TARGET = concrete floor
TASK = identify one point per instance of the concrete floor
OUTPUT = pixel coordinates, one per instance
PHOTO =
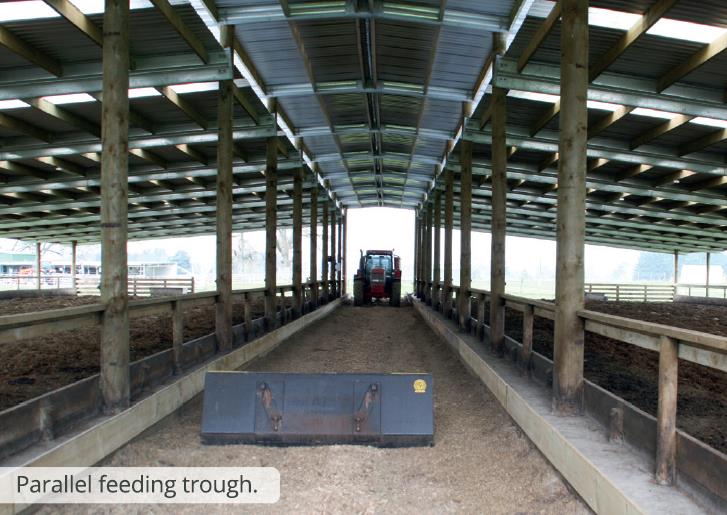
(481, 462)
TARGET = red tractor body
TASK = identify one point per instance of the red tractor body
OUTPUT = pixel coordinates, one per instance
(378, 277)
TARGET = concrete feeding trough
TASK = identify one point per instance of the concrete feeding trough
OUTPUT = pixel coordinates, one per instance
(387, 410)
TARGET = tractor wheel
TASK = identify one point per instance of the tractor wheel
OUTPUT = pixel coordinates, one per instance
(395, 299)
(358, 296)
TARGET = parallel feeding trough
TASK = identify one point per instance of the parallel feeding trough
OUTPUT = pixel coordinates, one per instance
(387, 410)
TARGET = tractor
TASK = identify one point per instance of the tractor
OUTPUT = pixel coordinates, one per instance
(378, 277)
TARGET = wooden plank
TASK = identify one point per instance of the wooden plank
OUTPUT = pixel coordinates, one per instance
(666, 415)
(540, 35)
(699, 339)
(82, 22)
(271, 191)
(28, 52)
(698, 59)
(176, 21)
(114, 373)
(224, 184)
(650, 17)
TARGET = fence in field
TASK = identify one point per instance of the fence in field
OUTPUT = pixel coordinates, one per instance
(89, 285)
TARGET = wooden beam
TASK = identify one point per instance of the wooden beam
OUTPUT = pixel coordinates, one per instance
(569, 295)
(23, 170)
(135, 119)
(332, 289)
(324, 249)
(148, 156)
(82, 22)
(659, 130)
(176, 21)
(697, 59)
(540, 35)
(701, 143)
(114, 375)
(465, 224)
(498, 222)
(223, 304)
(62, 164)
(298, 243)
(271, 190)
(313, 275)
(436, 266)
(28, 52)
(428, 221)
(545, 118)
(183, 105)
(608, 120)
(245, 104)
(18, 125)
(637, 30)
(64, 115)
(192, 153)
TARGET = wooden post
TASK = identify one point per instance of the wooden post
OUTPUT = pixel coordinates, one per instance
(223, 305)
(298, 243)
(527, 348)
(177, 335)
(448, 224)
(345, 250)
(38, 264)
(247, 315)
(417, 253)
(706, 283)
(339, 268)
(437, 286)
(465, 227)
(324, 250)
(499, 215)
(481, 300)
(666, 413)
(332, 279)
(571, 220)
(423, 254)
(74, 259)
(314, 245)
(114, 374)
(283, 308)
(676, 268)
(271, 220)
(428, 255)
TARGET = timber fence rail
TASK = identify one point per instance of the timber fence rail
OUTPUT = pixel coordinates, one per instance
(633, 292)
(58, 411)
(671, 343)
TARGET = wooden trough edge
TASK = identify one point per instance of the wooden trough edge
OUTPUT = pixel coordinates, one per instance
(600, 484)
(110, 433)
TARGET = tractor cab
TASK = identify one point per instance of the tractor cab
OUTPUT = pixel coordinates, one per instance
(378, 277)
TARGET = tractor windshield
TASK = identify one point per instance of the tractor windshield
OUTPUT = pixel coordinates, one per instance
(379, 261)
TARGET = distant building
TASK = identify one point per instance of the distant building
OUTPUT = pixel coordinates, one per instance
(15, 263)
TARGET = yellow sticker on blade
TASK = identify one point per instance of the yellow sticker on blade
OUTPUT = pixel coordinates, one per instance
(420, 386)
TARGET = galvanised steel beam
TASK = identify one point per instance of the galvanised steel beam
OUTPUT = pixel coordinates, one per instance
(547, 142)
(137, 199)
(160, 139)
(602, 148)
(92, 180)
(615, 89)
(619, 207)
(344, 10)
(382, 88)
(150, 71)
(549, 175)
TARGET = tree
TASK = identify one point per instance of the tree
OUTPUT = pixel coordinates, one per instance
(182, 259)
